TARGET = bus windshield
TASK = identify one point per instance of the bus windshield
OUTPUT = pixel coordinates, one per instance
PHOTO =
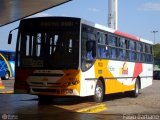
(55, 48)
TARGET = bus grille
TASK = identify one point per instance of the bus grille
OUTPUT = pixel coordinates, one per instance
(53, 91)
(45, 84)
(46, 90)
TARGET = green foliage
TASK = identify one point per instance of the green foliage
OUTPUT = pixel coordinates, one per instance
(156, 50)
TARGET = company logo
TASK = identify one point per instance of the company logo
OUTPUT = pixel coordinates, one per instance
(111, 68)
(124, 69)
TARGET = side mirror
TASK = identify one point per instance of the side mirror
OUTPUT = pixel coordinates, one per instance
(10, 38)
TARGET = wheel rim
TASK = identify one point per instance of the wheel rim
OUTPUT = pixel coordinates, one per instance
(137, 89)
(99, 92)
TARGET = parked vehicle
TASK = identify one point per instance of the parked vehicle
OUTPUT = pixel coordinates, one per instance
(156, 75)
(7, 64)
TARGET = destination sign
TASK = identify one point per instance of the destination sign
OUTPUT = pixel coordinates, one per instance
(57, 24)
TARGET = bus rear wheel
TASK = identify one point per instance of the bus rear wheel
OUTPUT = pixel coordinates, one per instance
(136, 90)
(99, 92)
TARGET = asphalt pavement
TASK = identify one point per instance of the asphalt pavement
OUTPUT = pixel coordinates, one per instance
(118, 106)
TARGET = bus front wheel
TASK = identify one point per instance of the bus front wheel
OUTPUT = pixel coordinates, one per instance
(45, 99)
(99, 92)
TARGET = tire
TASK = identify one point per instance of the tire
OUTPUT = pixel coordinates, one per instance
(44, 99)
(6, 77)
(136, 90)
(99, 92)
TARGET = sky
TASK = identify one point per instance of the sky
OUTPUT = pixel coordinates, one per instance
(136, 17)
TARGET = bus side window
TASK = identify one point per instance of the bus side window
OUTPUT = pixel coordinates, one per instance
(112, 53)
(122, 54)
(112, 42)
(91, 49)
(102, 51)
(122, 48)
(102, 45)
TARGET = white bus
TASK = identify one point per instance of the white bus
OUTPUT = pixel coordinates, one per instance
(65, 56)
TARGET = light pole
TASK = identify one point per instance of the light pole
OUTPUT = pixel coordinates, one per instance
(113, 14)
(154, 32)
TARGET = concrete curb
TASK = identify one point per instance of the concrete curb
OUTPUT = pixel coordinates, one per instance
(7, 92)
(93, 109)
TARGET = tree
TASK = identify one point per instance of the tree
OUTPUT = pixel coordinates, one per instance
(156, 51)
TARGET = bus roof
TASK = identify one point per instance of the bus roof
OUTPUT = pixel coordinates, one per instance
(117, 32)
(98, 26)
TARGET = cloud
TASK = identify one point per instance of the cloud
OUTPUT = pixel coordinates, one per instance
(150, 6)
(40, 15)
(94, 9)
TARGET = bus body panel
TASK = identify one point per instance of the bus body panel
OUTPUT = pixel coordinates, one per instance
(147, 75)
(122, 81)
(118, 76)
(52, 82)
(88, 82)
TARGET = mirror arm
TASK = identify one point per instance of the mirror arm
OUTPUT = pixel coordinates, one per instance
(10, 35)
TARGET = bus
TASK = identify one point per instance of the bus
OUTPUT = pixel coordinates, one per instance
(7, 64)
(67, 56)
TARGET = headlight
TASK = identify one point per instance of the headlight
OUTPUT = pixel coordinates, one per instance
(74, 82)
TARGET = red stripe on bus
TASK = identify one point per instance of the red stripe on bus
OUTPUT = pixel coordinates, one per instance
(127, 35)
(137, 70)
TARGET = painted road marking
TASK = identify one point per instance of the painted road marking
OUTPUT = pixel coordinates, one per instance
(7, 92)
(93, 109)
(84, 107)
